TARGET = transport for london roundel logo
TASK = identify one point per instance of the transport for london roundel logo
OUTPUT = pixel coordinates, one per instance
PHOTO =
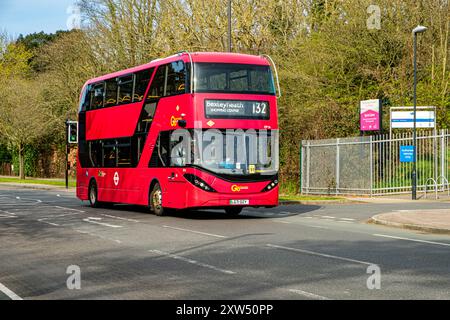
(116, 178)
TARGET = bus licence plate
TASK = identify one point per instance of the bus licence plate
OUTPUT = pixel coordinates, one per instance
(239, 202)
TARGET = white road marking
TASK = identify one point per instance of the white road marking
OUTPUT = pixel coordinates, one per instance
(97, 235)
(96, 221)
(57, 216)
(7, 212)
(409, 239)
(319, 227)
(7, 216)
(119, 218)
(329, 217)
(50, 223)
(308, 294)
(347, 219)
(345, 222)
(66, 208)
(320, 254)
(37, 200)
(194, 231)
(286, 222)
(9, 293)
(191, 261)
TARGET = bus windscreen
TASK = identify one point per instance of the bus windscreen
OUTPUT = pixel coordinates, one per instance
(233, 78)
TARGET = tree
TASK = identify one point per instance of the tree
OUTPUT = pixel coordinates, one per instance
(22, 120)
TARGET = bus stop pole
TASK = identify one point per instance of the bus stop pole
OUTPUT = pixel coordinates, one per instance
(67, 155)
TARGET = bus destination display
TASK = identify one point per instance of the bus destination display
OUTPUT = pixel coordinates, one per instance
(237, 109)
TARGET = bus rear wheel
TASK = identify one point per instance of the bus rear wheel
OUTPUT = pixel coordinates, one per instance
(233, 211)
(155, 201)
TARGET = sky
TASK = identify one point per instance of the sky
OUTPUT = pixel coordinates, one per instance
(29, 16)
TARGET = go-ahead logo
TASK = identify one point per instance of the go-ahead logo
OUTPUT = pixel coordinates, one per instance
(236, 188)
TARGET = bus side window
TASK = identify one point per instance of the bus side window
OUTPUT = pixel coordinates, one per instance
(157, 87)
(176, 78)
(85, 99)
(142, 80)
(97, 96)
(95, 154)
(124, 153)
(110, 154)
(126, 88)
(111, 93)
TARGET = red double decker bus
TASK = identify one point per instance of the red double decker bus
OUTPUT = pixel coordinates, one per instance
(194, 130)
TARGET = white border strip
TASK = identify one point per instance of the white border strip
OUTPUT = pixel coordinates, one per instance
(308, 294)
(9, 293)
(191, 261)
(197, 232)
(320, 254)
(415, 240)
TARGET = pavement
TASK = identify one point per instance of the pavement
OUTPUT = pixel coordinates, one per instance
(433, 221)
(289, 252)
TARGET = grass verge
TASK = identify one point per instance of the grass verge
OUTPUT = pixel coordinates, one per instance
(300, 197)
(52, 182)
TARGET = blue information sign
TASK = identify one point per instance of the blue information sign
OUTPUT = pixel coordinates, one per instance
(406, 153)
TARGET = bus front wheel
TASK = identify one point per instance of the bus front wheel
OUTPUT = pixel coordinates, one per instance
(93, 200)
(155, 200)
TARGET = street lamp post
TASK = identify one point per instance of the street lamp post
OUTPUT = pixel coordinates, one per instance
(229, 25)
(416, 30)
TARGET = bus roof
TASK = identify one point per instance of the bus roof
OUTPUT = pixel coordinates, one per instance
(218, 57)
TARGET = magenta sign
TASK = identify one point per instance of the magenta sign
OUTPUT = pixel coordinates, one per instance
(369, 115)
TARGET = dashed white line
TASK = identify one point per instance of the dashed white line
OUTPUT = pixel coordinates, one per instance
(37, 200)
(191, 261)
(319, 254)
(329, 217)
(50, 223)
(308, 294)
(409, 239)
(194, 231)
(347, 219)
(119, 218)
(9, 293)
(97, 236)
(66, 208)
(319, 227)
(285, 222)
(96, 221)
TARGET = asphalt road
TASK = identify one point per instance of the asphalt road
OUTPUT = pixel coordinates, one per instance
(289, 252)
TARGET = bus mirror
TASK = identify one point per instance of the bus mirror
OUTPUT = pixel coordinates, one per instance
(182, 123)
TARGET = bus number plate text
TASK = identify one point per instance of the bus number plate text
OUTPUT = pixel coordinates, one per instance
(239, 202)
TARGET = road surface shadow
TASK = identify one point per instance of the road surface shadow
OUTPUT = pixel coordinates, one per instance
(219, 214)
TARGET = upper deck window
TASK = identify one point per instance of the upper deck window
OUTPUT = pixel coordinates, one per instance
(233, 78)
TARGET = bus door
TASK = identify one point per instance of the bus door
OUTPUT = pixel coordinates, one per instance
(179, 158)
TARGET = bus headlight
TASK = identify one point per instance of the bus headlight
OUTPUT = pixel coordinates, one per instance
(199, 183)
(272, 184)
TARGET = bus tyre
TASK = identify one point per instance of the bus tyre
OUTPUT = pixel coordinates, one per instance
(156, 200)
(93, 200)
(233, 211)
